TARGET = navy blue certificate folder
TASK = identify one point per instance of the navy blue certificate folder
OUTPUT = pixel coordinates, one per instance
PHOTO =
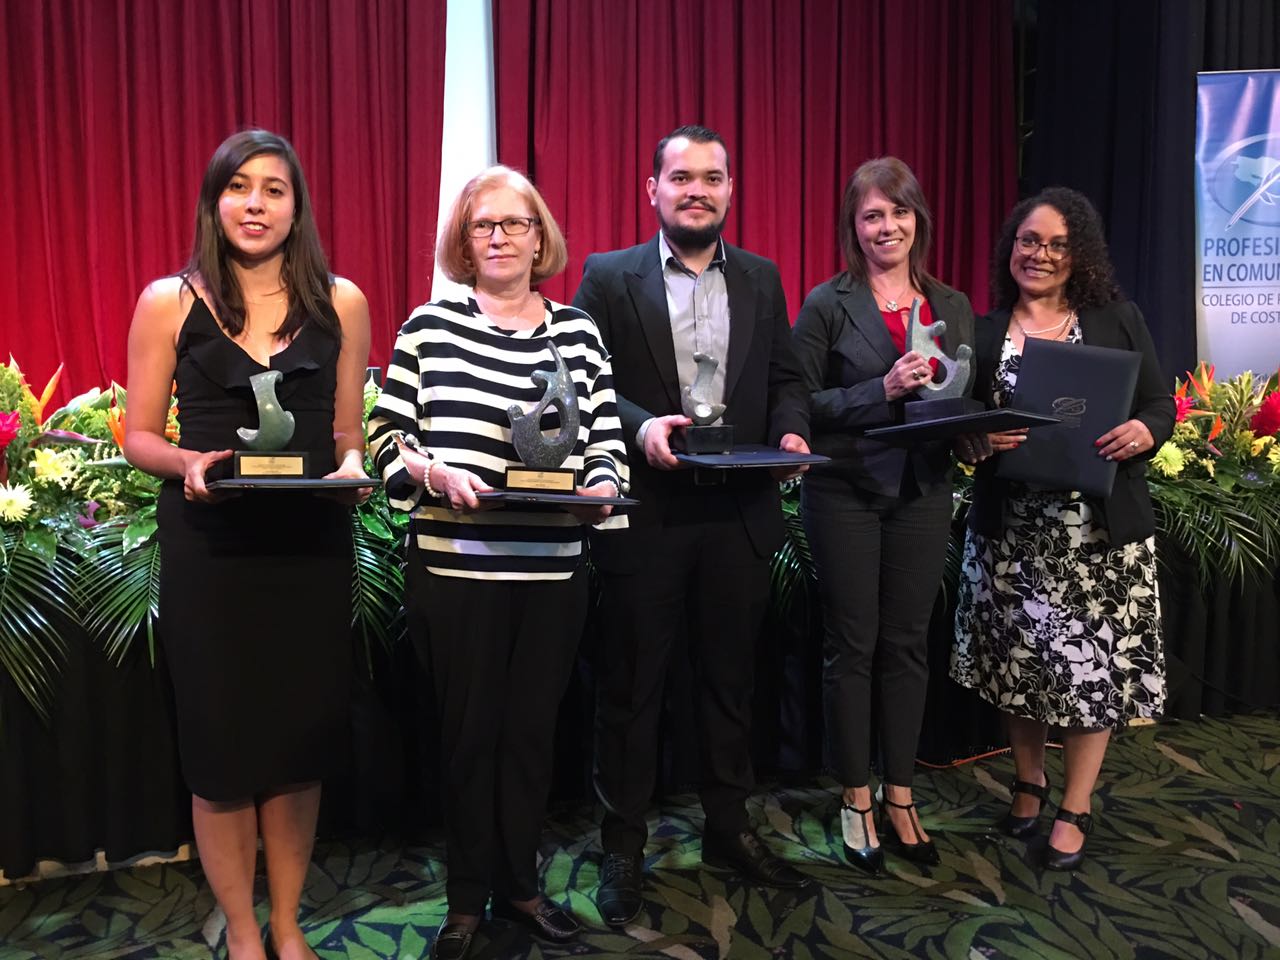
(1091, 389)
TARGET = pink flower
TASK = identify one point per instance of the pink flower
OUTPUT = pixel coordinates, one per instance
(9, 424)
(1183, 405)
(85, 519)
(1267, 420)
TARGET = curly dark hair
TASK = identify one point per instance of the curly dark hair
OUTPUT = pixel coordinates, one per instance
(1092, 282)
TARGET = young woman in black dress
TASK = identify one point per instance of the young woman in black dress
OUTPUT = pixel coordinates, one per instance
(255, 589)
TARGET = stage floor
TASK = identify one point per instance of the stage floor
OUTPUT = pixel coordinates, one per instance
(1184, 861)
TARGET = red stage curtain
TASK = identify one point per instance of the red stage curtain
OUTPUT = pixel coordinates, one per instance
(802, 90)
(113, 108)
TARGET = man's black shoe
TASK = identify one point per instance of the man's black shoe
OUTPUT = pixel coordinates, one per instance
(548, 919)
(618, 899)
(750, 857)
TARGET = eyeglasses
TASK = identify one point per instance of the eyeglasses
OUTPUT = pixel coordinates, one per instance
(1029, 243)
(511, 226)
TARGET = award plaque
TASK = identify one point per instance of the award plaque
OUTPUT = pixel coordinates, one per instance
(696, 404)
(541, 476)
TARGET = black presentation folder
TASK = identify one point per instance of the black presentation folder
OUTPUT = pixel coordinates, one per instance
(1091, 389)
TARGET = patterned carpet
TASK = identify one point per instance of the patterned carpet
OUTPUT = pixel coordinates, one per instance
(1184, 861)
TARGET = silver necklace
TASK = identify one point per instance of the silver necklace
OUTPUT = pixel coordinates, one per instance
(892, 304)
(1057, 326)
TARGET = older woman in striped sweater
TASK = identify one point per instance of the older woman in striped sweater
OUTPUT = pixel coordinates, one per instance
(496, 599)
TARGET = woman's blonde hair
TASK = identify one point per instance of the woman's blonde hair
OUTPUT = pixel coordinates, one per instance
(453, 246)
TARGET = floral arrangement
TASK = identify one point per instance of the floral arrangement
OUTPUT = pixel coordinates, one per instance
(64, 471)
(1216, 481)
(77, 536)
(1224, 432)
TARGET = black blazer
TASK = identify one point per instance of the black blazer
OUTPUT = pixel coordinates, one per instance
(625, 294)
(844, 349)
(1127, 513)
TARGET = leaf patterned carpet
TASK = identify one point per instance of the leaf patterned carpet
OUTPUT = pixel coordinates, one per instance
(1184, 861)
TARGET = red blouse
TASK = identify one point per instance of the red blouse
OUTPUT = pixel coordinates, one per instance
(896, 321)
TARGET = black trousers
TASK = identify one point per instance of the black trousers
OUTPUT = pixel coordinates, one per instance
(707, 592)
(499, 653)
(879, 563)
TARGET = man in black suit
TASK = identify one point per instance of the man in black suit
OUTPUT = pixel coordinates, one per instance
(693, 566)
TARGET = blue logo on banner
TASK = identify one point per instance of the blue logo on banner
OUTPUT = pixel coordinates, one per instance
(1246, 183)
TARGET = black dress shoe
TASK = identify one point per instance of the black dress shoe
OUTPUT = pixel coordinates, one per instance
(547, 919)
(1025, 826)
(1054, 858)
(453, 941)
(751, 858)
(618, 899)
(860, 853)
(919, 851)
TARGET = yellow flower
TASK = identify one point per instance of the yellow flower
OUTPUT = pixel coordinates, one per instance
(1207, 463)
(15, 502)
(1262, 443)
(1169, 461)
(1273, 456)
(54, 466)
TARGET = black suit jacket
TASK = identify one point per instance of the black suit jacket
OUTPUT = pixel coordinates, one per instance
(625, 294)
(844, 349)
(1127, 513)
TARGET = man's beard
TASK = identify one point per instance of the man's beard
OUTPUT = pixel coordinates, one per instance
(691, 238)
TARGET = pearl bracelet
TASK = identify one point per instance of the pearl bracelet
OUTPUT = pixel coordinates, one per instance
(426, 480)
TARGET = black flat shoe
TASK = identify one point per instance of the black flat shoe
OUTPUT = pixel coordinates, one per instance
(618, 898)
(921, 851)
(1025, 826)
(549, 920)
(855, 827)
(453, 941)
(752, 859)
(1055, 859)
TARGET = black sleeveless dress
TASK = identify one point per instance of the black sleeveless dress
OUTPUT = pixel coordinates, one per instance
(255, 591)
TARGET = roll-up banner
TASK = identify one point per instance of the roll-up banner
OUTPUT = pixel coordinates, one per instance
(1238, 220)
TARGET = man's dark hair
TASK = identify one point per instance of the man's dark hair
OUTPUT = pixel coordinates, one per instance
(694, 132)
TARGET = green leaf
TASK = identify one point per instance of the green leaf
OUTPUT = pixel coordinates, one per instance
(374, 523)
(137, 533)
(43, 542)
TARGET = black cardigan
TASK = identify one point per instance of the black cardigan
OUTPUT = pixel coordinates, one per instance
(1127, 513)
(844, 350)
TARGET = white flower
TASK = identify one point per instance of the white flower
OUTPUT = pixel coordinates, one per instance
(15, 502)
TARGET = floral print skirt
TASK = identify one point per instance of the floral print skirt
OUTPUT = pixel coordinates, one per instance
(1054, 623)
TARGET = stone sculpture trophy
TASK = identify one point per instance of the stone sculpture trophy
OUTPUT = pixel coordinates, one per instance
(696, 404)
(541, 476)
(266, 463)
(541, 456)
(944, 409)
(708, 446)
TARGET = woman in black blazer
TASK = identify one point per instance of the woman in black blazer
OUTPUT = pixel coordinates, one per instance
(1058, 622)
(877, 516)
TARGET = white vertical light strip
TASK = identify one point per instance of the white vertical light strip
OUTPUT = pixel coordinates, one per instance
(469, 142)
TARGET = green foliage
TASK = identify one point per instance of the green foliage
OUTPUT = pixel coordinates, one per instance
(37, 589)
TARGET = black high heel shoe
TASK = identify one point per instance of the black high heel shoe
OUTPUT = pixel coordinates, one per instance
(922, 851)
(1054, 858)
(1025, 826)
(868, 858)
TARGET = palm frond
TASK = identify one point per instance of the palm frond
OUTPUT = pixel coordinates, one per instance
(793, 576)
(1234, 532)
(38, 598)
(377, 585)
(119, 573)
